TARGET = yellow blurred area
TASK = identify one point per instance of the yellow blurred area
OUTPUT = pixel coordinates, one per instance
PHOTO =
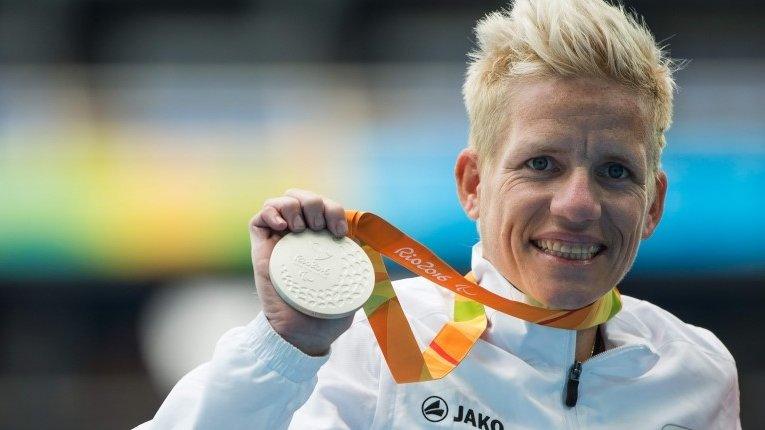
(137, 199)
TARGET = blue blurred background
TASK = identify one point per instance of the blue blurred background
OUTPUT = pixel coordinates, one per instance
(138, 138)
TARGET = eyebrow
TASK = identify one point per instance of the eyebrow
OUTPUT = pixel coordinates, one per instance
(548, 149)
(622, 159)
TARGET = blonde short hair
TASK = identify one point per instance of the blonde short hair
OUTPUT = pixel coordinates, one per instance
(546, 38)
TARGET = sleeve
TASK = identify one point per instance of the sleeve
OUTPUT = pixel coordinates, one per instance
(256, 379)
(348, 387)
(729, 417)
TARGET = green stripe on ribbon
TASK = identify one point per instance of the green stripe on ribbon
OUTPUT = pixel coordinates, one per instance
(466, 310)
(383, 291)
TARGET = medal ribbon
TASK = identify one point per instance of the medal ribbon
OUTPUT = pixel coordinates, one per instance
(452, 344)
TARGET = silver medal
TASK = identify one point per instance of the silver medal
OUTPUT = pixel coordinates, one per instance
(321, 275)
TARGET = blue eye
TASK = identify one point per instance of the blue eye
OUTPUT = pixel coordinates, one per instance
(539, 163)
(616, 171)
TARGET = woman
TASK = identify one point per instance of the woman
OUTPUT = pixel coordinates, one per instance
(568, 104)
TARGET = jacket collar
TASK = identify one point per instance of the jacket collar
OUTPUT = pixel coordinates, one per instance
(548, 346)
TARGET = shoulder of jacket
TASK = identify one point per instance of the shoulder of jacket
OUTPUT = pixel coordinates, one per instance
(660, 327)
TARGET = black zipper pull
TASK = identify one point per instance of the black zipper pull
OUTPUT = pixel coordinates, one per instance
(572, 385)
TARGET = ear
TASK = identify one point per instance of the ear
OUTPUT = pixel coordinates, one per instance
(657, 205)
(468, 177)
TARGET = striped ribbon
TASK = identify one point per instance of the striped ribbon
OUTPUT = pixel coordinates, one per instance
(452, 344)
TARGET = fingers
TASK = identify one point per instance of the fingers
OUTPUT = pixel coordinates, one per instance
(312, 206)
(320, 212)
(272, 219)
(335, 216)
(288, 208)
(294, 211)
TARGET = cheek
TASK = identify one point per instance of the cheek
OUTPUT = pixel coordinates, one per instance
(529, 206)
(510, 210)
(627, 218)
(523, 213)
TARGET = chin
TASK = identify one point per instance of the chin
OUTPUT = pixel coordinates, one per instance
(566, 298)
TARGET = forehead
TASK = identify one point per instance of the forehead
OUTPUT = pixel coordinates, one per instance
(593, 112)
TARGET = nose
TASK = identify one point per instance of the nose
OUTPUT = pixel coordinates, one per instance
(576, 200)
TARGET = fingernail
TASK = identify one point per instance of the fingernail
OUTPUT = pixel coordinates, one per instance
(341, 228)
(319, 221)
(298, 222)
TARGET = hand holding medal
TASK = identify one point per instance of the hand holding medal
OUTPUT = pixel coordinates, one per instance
(305, 214)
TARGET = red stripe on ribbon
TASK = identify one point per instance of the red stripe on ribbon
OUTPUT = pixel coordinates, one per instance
(434, 346)
(552, 320)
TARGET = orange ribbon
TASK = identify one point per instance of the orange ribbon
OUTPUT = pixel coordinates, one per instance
(452, 344)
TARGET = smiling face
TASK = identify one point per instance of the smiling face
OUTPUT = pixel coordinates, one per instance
(563, 204)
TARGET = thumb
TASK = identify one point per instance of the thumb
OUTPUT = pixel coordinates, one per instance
(262, 243)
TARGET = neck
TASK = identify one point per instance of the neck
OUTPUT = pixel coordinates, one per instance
(585, 339)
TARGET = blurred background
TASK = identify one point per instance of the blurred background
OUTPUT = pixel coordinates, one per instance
(138, 138)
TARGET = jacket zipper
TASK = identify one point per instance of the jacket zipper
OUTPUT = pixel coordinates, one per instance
(575, 373)
(572, 384)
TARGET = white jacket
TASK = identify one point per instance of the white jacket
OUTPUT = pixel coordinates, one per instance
(657, 373)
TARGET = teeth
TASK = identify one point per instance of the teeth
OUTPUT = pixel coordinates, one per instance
(569, 251)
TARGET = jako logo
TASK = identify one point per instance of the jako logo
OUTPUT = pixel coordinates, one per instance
(480, 421)
(434, 409)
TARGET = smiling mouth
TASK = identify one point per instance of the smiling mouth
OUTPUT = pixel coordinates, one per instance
(569, 251)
